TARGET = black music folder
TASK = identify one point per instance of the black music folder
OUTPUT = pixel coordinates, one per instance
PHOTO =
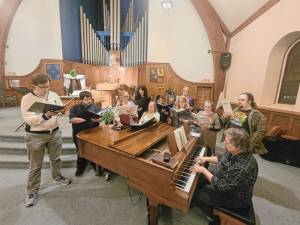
(139, 126)
(39, 107)
(88, 115)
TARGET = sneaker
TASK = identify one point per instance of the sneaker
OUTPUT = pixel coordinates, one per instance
(107, 176)
(31, 200)
(63, 181)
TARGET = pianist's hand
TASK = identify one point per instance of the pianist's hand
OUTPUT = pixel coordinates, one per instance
(201, 160)
(198, 169)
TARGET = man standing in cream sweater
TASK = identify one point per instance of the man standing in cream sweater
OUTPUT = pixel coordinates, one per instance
(42, 132)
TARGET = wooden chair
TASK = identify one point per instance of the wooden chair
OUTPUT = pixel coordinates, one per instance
(242, 217)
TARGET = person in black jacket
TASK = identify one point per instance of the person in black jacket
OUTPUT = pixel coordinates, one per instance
(80, 124)
(142, 100)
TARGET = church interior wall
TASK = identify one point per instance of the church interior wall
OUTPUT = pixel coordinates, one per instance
(251, 49)
(34, 34)
(178, 36)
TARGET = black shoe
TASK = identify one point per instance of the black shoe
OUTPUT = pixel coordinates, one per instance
(79, 172)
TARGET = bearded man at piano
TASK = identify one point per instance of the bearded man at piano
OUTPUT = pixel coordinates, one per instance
(230, 184)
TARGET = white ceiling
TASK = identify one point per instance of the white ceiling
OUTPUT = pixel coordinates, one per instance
(235, 12)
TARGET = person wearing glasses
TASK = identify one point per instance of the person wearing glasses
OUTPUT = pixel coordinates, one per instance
(230, 184)
(42, 132)
(124, 100)
(247, 116)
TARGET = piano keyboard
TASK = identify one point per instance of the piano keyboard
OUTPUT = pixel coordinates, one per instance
(186, 177)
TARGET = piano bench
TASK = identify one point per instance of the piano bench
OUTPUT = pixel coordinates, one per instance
(230, 217)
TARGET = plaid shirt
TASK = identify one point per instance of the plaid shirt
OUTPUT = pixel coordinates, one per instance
(235, 176)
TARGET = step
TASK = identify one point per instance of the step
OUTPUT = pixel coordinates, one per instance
(20, 138)
(10, 148)
(21, 161)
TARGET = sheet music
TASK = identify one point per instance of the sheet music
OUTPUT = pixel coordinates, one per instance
(227, 107)
(180, 137)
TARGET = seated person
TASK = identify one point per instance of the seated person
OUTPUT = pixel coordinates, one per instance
(152, 112)
(230, 184)
(123, 101)
(164, 112)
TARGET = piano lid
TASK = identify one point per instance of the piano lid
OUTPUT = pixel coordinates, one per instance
(133, 143)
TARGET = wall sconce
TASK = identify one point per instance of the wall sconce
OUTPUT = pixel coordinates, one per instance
(167, 4)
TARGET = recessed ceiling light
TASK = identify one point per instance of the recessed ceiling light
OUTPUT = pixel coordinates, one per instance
(167, 4)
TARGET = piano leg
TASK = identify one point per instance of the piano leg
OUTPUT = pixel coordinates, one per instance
(153, 210)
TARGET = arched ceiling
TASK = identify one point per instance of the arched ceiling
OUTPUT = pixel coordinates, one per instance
(235, 12)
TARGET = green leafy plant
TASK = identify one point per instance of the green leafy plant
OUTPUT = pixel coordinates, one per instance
(108, 117)
(73, 73)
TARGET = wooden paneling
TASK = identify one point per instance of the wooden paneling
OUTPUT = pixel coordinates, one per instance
(288, 121)
(93, 74)
(199, 91)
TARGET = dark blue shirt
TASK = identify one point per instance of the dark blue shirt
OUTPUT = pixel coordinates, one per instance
(76, 111)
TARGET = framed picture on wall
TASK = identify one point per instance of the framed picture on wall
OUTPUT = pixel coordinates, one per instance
(157, 75)
(54, 71)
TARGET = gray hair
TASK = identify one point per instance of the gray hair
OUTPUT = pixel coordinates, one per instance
(239, 138)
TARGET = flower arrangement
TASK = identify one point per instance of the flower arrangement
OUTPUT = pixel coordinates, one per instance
(73, 73)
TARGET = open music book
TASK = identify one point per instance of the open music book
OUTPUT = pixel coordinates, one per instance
(39, 107)
(201, 118)
(180, 137)
(87, 115)
(139, 126)
(126, 109)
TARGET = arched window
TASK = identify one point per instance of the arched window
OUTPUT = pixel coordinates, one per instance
(291, 76)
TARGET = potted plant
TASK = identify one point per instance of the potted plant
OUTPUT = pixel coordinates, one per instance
(108, 117)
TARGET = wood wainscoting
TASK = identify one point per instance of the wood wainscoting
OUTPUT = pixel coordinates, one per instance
(93, 75)
(158, 77)
(288, 121)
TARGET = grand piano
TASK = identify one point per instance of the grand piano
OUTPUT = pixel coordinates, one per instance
(130, 154)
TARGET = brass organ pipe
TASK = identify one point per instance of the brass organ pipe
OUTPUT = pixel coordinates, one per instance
(118, 23)
(88, 41)
(139, 43)
(91, 44)
(81, 34)
(104, 15)
(115, 24)
(142, 40)
(146, 37)
(111, 24)
(85, 38)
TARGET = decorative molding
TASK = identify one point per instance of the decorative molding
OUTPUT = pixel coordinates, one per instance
(7, 13)
(215, 35)
(254, 16)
